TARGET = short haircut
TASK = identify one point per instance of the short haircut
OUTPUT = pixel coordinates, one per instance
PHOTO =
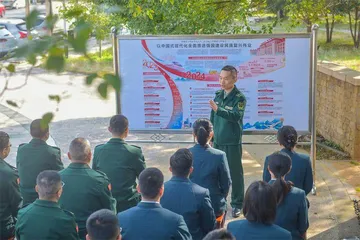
(219, 234)
(103, 225)
(48, 182)
(181, 162)
(79, 149)
(232, 69)
(260, 203)
(119, 124)
(4, 140)
(150, 182)
(38, 129)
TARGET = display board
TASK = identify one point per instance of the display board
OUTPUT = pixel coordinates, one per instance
(167, 81)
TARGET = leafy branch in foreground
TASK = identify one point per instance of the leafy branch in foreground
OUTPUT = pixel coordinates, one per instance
(49, 52)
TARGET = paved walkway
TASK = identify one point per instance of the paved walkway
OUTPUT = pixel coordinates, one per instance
(331, 212)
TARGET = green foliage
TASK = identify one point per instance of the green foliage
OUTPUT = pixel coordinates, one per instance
(306, 11)
(86, 12)
(275, 6)
(10, 68)
(180, 17)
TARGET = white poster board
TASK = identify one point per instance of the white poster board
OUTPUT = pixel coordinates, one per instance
(167, 81)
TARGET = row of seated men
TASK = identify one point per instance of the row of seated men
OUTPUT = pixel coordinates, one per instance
(189, 206)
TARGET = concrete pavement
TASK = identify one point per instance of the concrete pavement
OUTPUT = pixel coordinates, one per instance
(83, 114)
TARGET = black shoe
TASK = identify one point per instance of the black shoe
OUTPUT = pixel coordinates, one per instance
(236, 212)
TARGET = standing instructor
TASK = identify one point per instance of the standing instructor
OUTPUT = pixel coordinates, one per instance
(227, 117)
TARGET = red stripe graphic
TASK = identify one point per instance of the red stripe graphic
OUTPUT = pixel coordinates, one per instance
(177, 72)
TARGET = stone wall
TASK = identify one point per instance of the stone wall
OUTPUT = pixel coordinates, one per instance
(338, 106)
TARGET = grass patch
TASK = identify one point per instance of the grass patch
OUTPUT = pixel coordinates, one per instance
(355, 163)
(341, 50)
(325, 154)
(92, 64)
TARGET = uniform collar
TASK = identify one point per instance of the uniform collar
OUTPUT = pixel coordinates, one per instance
(149, 205)
(116, 140)
(46, 203)
(203, 147)
(179, 179)
(233, 92)
(287, 151)
(272, 181)
(3, 162)
(78, 165)
(38, 141)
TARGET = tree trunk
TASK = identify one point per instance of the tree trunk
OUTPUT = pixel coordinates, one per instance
(100, 49)
(280, 14)
(332, 26)
(308, 28)
(327, 27)
(351, 28)
(357, 16)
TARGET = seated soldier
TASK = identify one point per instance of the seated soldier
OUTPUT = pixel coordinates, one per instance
(188, 199)
(90, 188)
(103, 225)
(10, 198)
(44, 218)
(35, 157)
(121, 162)
(148, 220)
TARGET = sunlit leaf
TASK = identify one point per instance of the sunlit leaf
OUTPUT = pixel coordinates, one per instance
(12, 103)
(11, 68)
(31, 59)
(113, 80)
(55, 98)
(46, 119)
(32, 18)
(103, 89)
(90, 78)
(50, 21)
(55, 60)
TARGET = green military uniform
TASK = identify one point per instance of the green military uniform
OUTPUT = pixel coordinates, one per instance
(10, 199)
(85, 191)
(228, 126)
(33, 158)
(122, 163)
(45, 220)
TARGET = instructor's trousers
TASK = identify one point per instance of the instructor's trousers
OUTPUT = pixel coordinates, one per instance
(233, 155)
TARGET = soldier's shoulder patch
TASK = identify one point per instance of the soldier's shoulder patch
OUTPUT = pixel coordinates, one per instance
(218, 92)
(22, 144)
(100, 145)
(25, 205)
(137, 147)
(241, 105)
(102, 173)
(67, 212)
(56, 148)
(102, 176)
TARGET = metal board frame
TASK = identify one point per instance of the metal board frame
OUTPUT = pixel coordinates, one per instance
(312, 83)
(116, 54)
